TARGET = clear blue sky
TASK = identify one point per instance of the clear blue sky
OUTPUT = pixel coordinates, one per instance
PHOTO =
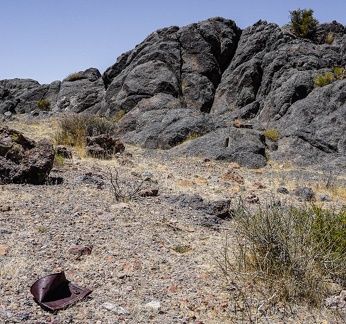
(46, 40)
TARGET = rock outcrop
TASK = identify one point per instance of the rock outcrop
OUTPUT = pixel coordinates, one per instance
(22, 160)
(183, 88)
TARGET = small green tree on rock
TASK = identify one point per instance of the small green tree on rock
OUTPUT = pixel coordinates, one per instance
(303, 23)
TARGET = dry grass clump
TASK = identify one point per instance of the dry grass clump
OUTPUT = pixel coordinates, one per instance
(330, 38)
(339, 72)
(74, 76)
(73, 128)
(296, 253)
(272, 134)
(326, 78)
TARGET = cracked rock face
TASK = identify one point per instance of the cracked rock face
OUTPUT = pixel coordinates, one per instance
(186, 88)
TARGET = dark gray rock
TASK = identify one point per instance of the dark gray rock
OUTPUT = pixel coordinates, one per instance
(103, 146)
(164, 128)
(12, 91)
(241, 145)
(185, 63)
(82, 93)
(312, 130)
(220, 209)
(324, 197)
(22, 160)
(63, 151)
(282, 190)
(305, 194)
(334, 29)
(90, 178)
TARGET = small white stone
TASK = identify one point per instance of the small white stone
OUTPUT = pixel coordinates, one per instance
(121, 311)
(114, 308)
(109, 306)
(154, 305)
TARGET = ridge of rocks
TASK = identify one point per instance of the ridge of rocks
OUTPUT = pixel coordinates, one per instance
(212, 89)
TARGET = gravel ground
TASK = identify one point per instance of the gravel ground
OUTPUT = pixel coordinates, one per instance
(152, 261)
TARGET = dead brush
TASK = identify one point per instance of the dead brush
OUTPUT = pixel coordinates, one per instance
(295, 254)
(123, 191)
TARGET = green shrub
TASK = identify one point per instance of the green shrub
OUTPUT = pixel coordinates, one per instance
(295, 252)
(323, 79)
(73, 128)
(43, 104)
(272, 134)
(303, 23)
(74, 76)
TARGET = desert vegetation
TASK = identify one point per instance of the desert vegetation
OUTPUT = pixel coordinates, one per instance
(303, 23)
(272, 134)
(323, 79)
(74, 76)
(73, 128)
(297, 252)
(43, 104)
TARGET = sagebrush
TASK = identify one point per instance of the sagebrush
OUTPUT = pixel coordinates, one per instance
(295, 252)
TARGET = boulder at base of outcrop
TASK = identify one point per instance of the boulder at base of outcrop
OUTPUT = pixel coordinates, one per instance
(22, 160)
(103, 146)
(241, 145)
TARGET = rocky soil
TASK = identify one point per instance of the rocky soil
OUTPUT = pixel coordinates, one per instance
(153, 259)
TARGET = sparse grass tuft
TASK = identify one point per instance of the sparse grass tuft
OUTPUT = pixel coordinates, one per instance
(330, 38)
(328, 77)
(74, 76)
(182, 248)
(120, 114)
(59, 160)
(42, 229)
(192, 136)
(324, 79)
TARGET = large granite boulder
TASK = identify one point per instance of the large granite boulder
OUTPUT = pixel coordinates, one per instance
(22, 160)
(270, 83)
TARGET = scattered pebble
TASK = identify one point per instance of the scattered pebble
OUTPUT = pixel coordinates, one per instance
(155, 305)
